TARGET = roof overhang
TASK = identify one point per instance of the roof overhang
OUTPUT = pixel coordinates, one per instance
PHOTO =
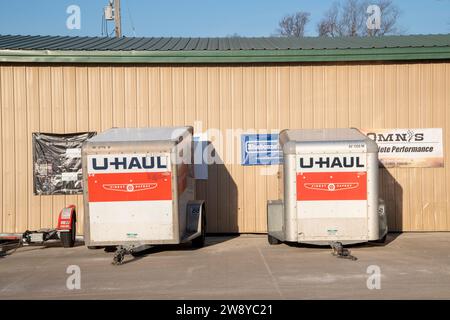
(229, 56)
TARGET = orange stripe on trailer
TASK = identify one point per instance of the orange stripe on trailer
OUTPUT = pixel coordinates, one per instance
(331, 186)
(142, 186)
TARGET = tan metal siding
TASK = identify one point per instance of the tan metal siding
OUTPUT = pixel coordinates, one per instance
(58, 98)
(32, 119)
(8, 150)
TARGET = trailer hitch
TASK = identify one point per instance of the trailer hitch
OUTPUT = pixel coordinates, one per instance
(122, 251)
(341, 252)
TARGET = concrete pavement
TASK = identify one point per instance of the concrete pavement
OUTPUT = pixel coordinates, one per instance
(412, 266)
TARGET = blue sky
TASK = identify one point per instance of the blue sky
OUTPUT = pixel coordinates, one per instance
(197, 17)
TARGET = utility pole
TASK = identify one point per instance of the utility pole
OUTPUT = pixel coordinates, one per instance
(117, 21)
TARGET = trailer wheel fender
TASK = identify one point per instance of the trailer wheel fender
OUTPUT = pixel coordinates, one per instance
(196, 221)
(66, 216)
(67, 226)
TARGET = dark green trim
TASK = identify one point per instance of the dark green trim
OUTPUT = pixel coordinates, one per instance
(241, 56)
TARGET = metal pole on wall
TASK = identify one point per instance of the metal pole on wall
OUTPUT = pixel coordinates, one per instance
(117, 21)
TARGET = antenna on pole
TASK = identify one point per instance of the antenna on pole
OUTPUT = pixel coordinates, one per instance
(112, 12)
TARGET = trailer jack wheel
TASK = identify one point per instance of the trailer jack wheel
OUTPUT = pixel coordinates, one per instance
(341, 252)
(119, 255)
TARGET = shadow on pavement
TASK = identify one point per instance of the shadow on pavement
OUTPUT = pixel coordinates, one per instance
(211, 240)
(390, 238)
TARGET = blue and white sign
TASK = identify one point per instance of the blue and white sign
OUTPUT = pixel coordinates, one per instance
(260, 149)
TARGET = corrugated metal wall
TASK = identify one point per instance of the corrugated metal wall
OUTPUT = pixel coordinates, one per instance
(79, 98)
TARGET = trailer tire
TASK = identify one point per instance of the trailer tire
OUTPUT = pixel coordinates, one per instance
(382, 240)
(199, 242)
(68, 238)
(272, 240)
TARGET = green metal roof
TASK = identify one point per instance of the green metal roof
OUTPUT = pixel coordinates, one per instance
(17, 48)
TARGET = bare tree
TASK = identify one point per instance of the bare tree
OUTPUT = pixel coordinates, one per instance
(353, 18)
(349, 19)
(293, 24)
(329, 25)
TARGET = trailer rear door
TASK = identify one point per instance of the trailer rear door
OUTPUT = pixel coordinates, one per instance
(130, 197)
(332, 196)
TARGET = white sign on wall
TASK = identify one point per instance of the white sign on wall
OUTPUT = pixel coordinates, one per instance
(200, 165)
(408, 147)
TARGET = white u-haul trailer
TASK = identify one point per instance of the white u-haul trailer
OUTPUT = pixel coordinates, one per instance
(139, 189)
(330, 187)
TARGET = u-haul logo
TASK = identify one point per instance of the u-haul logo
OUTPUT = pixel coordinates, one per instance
(331, 162)
(129, 187)
(128, 163)
(332, 187)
